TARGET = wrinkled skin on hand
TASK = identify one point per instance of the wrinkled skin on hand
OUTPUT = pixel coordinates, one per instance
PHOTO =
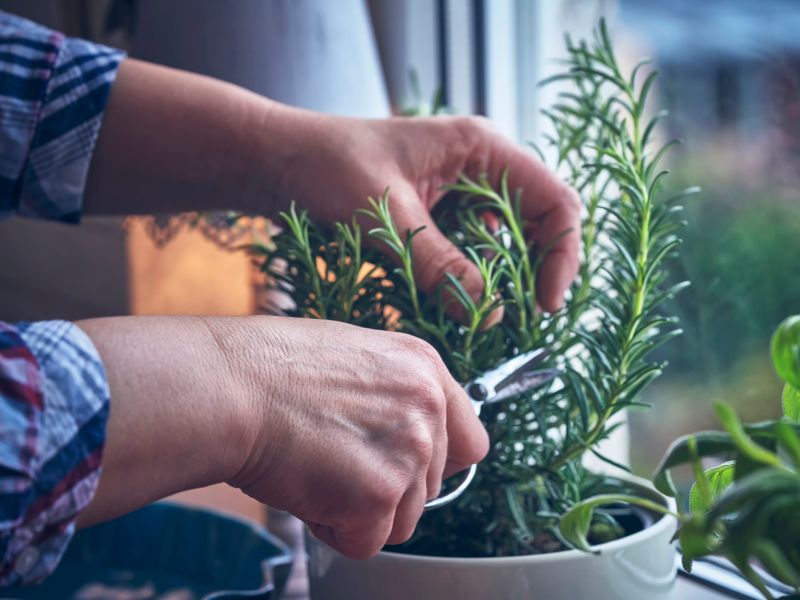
(338, 162)
(355, 429)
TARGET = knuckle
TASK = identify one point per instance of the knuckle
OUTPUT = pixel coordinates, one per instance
(473, 130)
(420, 349)
(454, 263)
(422, 374)
(420, 443)
(479, 124)
(413, 344)
(383, 499)
(428, 398)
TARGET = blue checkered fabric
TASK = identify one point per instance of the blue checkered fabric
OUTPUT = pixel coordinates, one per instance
(54, 397)
(53, 91)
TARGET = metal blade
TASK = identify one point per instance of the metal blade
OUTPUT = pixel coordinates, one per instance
(522, 383)
(507, 371)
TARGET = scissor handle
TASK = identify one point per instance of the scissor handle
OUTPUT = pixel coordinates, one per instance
(450, 496)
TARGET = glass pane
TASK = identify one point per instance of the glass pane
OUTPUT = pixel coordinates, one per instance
(730, 77)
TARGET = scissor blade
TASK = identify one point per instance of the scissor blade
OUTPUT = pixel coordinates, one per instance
(509, 370)
(522, 383)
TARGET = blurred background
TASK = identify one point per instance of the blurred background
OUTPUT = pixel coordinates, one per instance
(730, 77)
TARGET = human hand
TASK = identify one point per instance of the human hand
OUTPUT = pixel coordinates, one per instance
(352, 430)
(173, 141)
(349, 429)
(338, 162)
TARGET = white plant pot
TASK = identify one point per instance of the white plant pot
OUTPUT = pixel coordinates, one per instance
(637, 567)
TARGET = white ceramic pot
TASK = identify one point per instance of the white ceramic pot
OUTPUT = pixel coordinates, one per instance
(640, 566)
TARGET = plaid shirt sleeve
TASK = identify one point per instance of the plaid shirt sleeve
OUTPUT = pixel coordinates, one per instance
(53, 91)
(54, 403)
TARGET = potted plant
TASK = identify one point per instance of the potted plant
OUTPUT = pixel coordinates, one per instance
(746, 508)
(502, 538)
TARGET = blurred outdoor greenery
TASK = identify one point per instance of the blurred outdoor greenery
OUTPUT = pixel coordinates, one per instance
(730, 80)
(741, 252)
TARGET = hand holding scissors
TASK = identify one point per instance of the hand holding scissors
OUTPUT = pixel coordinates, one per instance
(508, 380)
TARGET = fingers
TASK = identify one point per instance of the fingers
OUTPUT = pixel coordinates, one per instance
(435, 474)
(435, 256)
(555, 206)
(466, 437)
(467, 440)
(459, 437)
(373, 527)
(411, 421)
(408, 513)
(449, 438)
(556, 274)
(361, 541)
(366, 542)
(545, 199)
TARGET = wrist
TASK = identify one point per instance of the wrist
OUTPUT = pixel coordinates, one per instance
(177, 417)
(287, 140)
(244, 346)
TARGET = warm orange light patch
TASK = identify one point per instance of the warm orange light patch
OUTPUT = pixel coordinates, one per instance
(189, 275)
(366, 268)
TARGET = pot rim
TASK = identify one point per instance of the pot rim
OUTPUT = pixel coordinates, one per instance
(653, 530)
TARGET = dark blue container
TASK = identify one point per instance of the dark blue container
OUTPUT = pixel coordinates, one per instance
(168, 550)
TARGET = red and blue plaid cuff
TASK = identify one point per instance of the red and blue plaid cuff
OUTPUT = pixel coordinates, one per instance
(54, 403)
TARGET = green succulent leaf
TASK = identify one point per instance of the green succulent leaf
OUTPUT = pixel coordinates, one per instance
(719, 479)
(789, 441)
(791, 402)
(776, 562)
(575, 523)
(708, 443)
(744, 509)
(785, 347)
(743, 441)
(756, 487)
(694, 540)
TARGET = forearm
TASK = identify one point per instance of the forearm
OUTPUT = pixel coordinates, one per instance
(174, 141)
(177, 411)
(301, 414)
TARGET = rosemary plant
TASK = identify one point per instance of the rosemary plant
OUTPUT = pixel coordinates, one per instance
(745, 508)
(601, 339)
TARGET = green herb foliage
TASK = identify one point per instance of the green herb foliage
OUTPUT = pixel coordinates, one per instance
(601, 339)
(746, 508)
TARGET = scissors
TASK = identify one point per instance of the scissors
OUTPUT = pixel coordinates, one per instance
(509, 379)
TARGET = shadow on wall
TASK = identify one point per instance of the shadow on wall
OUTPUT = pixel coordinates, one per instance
(56, 271)
(52, 270)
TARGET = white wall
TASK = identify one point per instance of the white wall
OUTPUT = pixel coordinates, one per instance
(317, 54)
